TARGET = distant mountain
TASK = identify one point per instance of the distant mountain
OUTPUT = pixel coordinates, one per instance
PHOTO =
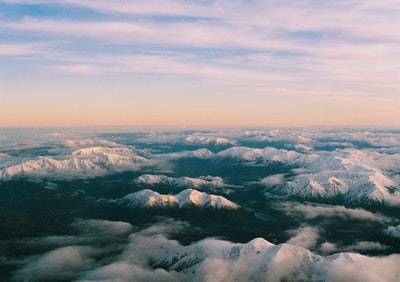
(88, 162)
(197, 154)
(267, 154)
(207, 140)
(186, 198)
(355, 175)
(181, 182)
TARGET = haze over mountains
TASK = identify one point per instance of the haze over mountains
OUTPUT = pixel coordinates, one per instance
(284, 204)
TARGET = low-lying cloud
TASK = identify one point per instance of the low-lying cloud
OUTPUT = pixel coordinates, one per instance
(305, 237)
(150, 255)
(312, 211)
(60, 264)
(393, 231)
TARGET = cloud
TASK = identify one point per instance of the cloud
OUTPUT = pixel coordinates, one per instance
(305, 237)
(312, 211)
(149, 255)
(102, 227)
(84, 143)
(273, 179)
(328, 248)
(227, 25)
(353, 267)
(63, 263)
(365, 246)
(361, 246)
(121, 271)
(232, 47)
(58, 241)
(154, 7)
(393, 231)
(23, 49)
(143, 249)
(260, 260)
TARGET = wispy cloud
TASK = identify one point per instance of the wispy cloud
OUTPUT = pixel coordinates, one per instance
(341, 50)
(22, 49)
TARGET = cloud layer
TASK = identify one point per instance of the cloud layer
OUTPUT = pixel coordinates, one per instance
(148, 255)
(335, 61)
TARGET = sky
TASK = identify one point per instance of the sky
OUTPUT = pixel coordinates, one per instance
(200, 63)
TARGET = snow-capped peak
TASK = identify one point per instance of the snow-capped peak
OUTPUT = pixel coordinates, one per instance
(83, 163)
(181, 182)
(186, 198)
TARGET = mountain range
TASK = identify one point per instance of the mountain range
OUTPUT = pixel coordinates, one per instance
(186, 198)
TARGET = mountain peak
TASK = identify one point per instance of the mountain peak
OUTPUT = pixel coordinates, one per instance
(186, 198)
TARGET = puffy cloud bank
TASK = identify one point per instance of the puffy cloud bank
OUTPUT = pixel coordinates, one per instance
(393, 231)
(312, 211)
(149, 255)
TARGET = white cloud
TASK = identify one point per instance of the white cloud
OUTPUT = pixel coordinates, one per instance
(365, 246)
(102, 227)
(328, 248)
(63, 263)
(82, 143)
(338, 28)
(305, 237)
(121, 271)
(353, 267)
(144, 248)
(273, 179)
(22, 49)
(312, 211)
(393, 231)
(150, 256)
(362, 246)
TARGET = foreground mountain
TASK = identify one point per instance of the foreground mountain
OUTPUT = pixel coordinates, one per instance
(186, 198)
(260, 260)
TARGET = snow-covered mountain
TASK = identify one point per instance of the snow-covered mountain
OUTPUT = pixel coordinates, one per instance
(260, 260)
(180, 182)
(87, 162)
(207, 140)
(355, 175)
(253, 154)
(186, 198)
(197, 154)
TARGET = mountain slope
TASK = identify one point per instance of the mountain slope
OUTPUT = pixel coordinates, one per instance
(186, 198)
(87, 162)
(354, 175)
(260, 260)
(181, 182)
